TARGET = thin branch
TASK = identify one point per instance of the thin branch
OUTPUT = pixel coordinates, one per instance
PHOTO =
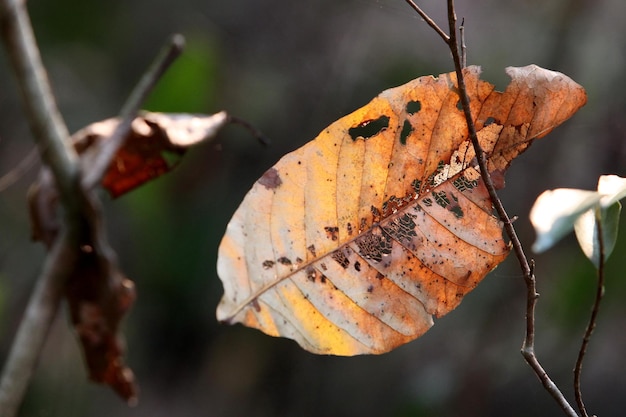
(592, 321)
(429, 21)
(463, 46)
(528, 350)
(20, 170)
(168, 54)
(49, 130)
(526, 266)
(40, 312)
(52, 138)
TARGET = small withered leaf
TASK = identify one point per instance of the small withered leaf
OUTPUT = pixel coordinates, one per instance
(153, 147)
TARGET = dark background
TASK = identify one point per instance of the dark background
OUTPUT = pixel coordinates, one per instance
(291, 68)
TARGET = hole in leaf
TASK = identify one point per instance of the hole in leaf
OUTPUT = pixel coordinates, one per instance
(406, 131)
(413, 107)
(489, 121)
(369, 128)
(459, 105)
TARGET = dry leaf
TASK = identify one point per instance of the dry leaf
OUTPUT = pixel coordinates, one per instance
(152, 148)
(98, 294)
(351, 243)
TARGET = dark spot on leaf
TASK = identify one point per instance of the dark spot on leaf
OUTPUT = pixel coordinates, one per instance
(271, 179)
(379, 275)
(402, 228)
(370, 288)
(462, 184)
(256, 305)
(413, 107)
(349, 227)
(284, 260)
(298, 260)
(311, 248)
(323, 266)
(457, 210)
(431, 178)
(441, 198)
(341, 257)
(311, 273)
(369, 128)
(374, 246)
(268, 264)
(406, 131)
(375, 212)
(394, 204)
(331, 232)
(416, 184)
(357, 266)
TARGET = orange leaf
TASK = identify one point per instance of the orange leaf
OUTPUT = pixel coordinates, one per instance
(351, 243)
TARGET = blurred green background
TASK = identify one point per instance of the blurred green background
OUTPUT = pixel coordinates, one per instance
(291, 68)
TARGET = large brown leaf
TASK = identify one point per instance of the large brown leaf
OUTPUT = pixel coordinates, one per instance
(352, 243)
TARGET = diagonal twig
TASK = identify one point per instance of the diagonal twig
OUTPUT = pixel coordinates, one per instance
(168, 54)
(429, 21)
(52, 138)
(58, 155)
(526, 266)
(20, 170)
(49, 129)
(528, 346)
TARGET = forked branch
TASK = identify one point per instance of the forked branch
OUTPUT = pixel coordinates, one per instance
(52, 140)
(58, 155)
(528, 350)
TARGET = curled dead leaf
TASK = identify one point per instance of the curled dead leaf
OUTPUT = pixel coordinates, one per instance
(153, 147)
(353, 242)
(98, 294)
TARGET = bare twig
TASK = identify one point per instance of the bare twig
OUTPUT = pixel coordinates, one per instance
(52, 140)
(31, 335)
(429, 21)
(20, 169)
(49, 129)
(57, 154)
(526, 266)
(592, 321)
(528, 349)
(463, 46)
(168, 54)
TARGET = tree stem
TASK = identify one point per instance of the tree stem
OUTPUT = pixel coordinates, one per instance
(578, 368)
(528, 350)
(52, 139)
(47, 125)
(31, 336)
